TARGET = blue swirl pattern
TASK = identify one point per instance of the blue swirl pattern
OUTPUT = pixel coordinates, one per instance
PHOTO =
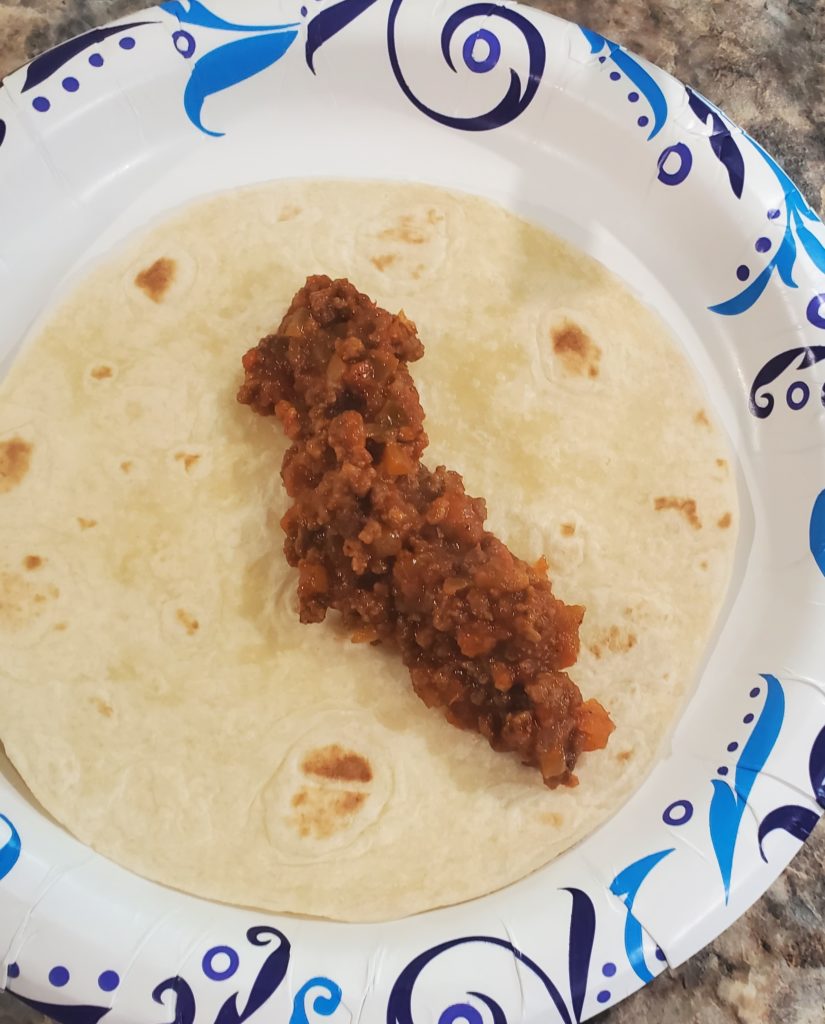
(636, 73)
(798, 213)
(582, 934)
(793, 819)
(728, 804)
(761, 403)
(262, 46)
(227, 65)
(184, 999)
(727, 808)
(177, 995)
(676, 162)
(10, 851)
(518, 96)
(722, 141)
(626, 886)
(399, 1008)
(324, 1003)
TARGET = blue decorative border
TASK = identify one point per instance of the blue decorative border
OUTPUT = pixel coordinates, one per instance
(320, 993)
(629, 66)
(580, 945)
(797, 213)
(231, 63)
(626, 886)
(254, 48)
(675, 164)
(222, 54)
(728, 803)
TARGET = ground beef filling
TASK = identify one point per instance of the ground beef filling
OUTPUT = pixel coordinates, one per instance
(399, 550)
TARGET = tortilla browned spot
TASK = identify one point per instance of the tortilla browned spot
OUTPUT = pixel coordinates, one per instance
(189, 623)
(103, 707)
(579, 354)
(155, 281)
(687, 507)
(321, 813)
(722, 463)
(126, 466)
(625, 755)
(21, 601)
(614, 640)
(725, 521)
(333, 762)
(15, 459)
(187, 460)
(32, 562)
(102, 372)
(701, 418)
(382, 262)
(406, 231)
(567, 529)
(289, 212)
(86, 524)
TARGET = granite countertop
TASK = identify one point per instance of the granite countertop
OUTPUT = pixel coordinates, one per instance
(763, 61)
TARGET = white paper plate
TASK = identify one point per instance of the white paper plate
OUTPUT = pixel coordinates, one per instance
(109, 130)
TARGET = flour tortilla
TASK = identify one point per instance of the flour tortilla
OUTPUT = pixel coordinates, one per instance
(161, 698)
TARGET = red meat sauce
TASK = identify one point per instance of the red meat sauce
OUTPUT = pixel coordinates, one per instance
(400, 550)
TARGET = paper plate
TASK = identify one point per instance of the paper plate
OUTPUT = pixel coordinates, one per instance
(555, 122)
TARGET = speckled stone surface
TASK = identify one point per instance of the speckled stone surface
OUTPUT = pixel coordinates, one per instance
(763, 61)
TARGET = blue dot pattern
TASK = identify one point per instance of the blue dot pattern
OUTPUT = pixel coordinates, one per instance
(59, 976)
(108, 981)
